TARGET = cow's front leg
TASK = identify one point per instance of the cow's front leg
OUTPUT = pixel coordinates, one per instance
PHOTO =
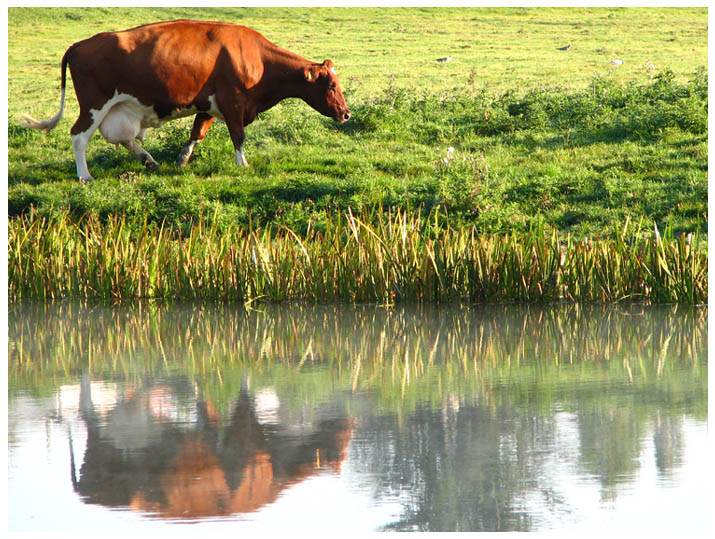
(233, 115)
(238, 136)
(240, 158)
(202, 123)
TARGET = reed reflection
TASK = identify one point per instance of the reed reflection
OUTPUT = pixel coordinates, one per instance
(44, 338)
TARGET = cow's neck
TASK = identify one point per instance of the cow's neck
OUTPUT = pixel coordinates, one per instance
(287, 71)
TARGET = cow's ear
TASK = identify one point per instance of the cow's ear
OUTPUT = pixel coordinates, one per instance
(328, 64)
(311, 73)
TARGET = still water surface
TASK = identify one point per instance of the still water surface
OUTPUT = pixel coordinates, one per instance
(149, 416)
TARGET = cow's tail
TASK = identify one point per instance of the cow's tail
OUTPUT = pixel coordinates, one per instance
(49, 125)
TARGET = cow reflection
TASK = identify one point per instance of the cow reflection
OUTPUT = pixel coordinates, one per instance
(158, 453)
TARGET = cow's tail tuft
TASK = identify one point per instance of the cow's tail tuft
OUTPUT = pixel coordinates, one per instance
(49, 125)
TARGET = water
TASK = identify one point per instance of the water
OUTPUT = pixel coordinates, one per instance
(149, 417)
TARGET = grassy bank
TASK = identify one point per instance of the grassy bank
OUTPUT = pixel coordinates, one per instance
(403, 257)
(534, 130)
(584, 161)
(511, 137)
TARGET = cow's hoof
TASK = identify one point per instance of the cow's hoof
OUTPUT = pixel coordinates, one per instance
(86, 180)
(182, 160)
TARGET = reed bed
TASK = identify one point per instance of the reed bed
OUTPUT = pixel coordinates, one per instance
(386, 258)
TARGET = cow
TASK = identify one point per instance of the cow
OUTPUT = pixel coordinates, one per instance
(134, 79)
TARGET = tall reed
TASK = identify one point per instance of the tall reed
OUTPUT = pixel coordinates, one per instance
(385, 258)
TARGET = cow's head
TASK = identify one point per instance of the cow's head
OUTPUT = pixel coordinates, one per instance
(324, 93)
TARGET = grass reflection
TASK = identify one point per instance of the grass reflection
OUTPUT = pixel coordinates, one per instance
(402, 355)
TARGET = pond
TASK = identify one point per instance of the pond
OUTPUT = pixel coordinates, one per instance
(222, 418)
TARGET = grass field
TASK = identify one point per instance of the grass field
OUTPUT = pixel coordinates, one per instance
(376, 48)
(510, 130)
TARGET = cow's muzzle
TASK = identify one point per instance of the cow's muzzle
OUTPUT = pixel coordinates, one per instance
(343, 116)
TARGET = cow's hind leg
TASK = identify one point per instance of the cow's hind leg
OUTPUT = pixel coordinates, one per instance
(79, 146)
(144, 157)
(202, 123)
(90, 118)
(122, 126)
(81, 132)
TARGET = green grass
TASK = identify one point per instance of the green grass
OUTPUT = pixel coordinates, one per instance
(584, 161)
(509, 136)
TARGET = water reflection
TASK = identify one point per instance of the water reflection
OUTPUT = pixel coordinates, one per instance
(163, 449)
(470, 419)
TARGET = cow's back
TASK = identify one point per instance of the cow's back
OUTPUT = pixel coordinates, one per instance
(177, 61)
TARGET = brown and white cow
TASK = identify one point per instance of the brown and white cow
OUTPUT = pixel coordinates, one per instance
(131, 80)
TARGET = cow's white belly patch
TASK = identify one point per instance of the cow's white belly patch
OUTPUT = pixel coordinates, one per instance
(123, 118)
(121, 124)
